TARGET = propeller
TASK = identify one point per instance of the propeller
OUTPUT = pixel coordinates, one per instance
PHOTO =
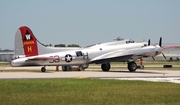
(160, 41)
(153, 58)
(149, 42)
(164, 56)
(160, 44)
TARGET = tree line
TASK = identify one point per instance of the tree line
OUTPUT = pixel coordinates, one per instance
(62, 45)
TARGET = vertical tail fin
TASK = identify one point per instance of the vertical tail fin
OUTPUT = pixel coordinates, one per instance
(25, 42)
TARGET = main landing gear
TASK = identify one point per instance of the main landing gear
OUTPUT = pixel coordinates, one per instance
(132, 66)
(105, 66)
(43, 69)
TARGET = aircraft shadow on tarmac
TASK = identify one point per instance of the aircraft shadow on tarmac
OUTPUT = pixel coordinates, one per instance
(145, 72)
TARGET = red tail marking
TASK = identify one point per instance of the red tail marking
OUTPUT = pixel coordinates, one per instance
(29, 42)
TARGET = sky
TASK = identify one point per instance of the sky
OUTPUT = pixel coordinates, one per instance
(87, 22)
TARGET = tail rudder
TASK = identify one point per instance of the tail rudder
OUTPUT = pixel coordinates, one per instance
(25, 42)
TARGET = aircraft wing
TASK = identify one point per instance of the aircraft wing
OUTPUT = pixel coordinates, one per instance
(114, 56)
(125, 55)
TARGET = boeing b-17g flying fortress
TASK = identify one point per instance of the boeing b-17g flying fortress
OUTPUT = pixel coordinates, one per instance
(30, 52)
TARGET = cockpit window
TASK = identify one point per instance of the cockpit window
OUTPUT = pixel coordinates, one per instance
(79, 53)
(145, 45)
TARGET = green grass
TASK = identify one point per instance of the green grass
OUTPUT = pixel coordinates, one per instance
(4, 64)
(87, 92)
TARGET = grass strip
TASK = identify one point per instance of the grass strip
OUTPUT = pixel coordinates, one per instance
(87, 92)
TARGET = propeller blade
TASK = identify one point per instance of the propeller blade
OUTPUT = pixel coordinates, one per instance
(164, 56)
(149, 42)
(153, 58)
(160, 41)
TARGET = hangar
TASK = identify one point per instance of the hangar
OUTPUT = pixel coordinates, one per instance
(6, 55)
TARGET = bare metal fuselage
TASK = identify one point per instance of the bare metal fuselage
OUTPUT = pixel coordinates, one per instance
(95, 54)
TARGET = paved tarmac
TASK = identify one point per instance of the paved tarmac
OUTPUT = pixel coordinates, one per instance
(90, 74)
(149, 75)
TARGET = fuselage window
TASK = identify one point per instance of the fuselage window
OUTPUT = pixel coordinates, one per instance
(79, 53)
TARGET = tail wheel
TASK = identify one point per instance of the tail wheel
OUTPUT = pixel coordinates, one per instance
(105, 66)
(43, 69)
(132, 66)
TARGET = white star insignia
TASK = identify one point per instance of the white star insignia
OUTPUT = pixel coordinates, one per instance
(68, 58)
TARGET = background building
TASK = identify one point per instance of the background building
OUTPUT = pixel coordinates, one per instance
(6, 55)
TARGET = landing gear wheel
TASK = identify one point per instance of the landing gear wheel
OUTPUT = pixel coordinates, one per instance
(43, 69)
(105, 67)
(132, 66)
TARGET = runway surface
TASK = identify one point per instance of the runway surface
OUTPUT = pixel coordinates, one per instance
(149, 75)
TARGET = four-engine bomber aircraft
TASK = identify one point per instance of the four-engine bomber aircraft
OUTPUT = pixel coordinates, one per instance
(30, 52)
